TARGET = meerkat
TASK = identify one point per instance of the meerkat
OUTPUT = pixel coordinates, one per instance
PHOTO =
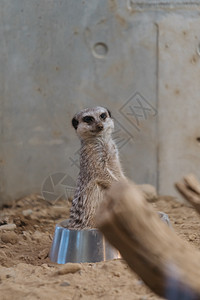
(99, 164)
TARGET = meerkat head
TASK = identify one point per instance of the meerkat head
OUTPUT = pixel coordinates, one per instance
(93, 122)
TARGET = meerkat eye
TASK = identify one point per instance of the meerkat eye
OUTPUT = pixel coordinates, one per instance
(88, 119)
(103, 116)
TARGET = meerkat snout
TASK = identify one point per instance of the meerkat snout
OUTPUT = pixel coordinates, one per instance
(99, 126)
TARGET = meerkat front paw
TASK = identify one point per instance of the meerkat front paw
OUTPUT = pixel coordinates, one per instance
(103, 184)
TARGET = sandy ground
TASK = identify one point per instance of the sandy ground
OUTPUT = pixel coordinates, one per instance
(27, 273)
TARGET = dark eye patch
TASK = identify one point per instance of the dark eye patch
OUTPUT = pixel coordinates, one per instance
(103, 116)
(88, 119)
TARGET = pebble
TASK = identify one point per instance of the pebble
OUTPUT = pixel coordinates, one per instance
(51, 265)
(37, 236)
(69, 268)
(9, 237)
(65, 283)
(8, 227)
(3, 220)
(43, 254)
(179, 221)
(27, 212)
(117, 274)
(26, 235)
(192, 237)
(175, 205)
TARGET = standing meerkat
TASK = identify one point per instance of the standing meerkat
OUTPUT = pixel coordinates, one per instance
(99, 164)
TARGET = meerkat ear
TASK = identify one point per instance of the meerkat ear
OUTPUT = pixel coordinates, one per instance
(75, 122)
(109, 112)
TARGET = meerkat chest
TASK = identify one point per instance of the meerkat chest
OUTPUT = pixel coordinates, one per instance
(97, 158)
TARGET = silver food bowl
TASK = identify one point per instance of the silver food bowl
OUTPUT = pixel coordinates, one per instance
(79, 246)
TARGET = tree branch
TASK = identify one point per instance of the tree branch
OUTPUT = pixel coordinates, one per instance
(165, 263)
(190, 190)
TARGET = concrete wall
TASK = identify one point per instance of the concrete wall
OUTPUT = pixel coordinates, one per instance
(141, 59)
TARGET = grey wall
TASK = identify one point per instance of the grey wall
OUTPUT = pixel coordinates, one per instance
(141, 59)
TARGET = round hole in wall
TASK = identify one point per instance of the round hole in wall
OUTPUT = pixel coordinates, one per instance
(100, 50)
(198, 139)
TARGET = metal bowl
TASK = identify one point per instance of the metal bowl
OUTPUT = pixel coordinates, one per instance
(79, 246)
(87, 245)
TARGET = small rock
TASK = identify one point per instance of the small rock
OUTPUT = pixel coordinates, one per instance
(19, 222)
(183, 226)
(178, 221)
(43, 254)
(192, 237)
(69, 268)
(9, 237)
(26, 236)
(117, 274)
(3, 220)
(8, 227)
(45, 266)
(51, 265)
(175, 205)
(65, 283)
(37, 236)
(27, 212)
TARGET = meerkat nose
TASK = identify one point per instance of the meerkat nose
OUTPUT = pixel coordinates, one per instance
(99, 126)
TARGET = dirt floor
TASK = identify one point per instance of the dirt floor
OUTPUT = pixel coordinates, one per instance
(27, 273)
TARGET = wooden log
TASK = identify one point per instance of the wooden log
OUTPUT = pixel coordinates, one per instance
(166, 263)
(190, 190)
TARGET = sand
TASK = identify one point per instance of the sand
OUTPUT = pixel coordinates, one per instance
(27, 273)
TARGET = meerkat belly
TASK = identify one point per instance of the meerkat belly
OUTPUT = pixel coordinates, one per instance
(94, 198)
(84, 210)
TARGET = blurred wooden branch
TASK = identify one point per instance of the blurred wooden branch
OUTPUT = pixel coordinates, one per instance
(190, 190)
(165, 263)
